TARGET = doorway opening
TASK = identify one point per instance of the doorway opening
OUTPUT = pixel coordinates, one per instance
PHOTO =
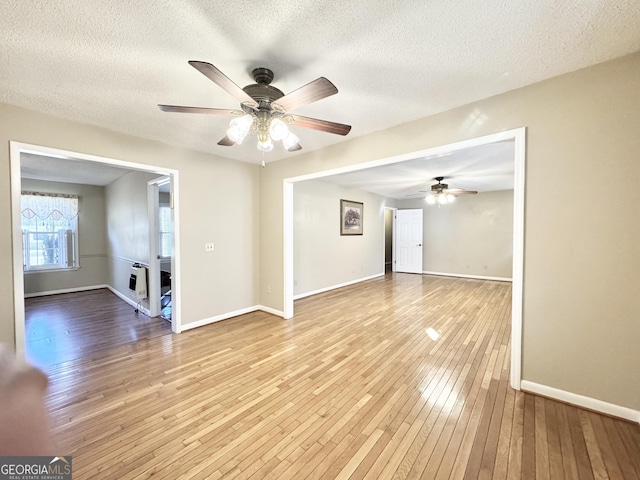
(160, 203)
(75, 161)
(518, 137)
(389, 239)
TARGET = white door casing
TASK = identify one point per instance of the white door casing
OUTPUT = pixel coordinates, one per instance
(408, 243)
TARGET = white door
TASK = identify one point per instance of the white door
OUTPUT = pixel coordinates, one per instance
(409, 241)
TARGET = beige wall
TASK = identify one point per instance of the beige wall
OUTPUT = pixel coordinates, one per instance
(127, 228)
(91, 240)
(581, 306)
(219, 203)
(323, 258)
(472, 236)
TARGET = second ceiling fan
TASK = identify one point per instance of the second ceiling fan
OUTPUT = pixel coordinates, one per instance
(265, 110)
(441, 194)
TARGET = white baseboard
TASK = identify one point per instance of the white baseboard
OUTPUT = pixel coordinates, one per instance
(475, 277)
(581, 401)
(225, 316)
(130, 301)
(65, 290)
(272, 311)
(333, 287)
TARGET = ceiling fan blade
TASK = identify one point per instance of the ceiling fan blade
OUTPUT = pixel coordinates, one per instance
(210, 111)
(322, 125)
(294, 148)
(311, 92)
(460, 191)
(226, 142)
(413, 195)
(224, 82)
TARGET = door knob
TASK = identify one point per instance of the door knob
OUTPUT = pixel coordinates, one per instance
(419, 245)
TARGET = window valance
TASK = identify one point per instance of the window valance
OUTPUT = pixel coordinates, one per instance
(45, 205)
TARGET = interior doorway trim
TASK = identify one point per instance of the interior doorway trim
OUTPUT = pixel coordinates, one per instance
(15, 149)
(518, 136)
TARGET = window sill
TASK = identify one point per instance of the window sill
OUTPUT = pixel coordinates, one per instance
(49, 270)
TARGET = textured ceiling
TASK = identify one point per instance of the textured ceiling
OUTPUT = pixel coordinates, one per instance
(482, 168)
(43, 167)
(109, 62)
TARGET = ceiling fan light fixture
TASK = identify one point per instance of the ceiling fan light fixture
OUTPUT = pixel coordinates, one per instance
(431, 199)
(290, 141)
(278, 129)
(268, 109)
(451, 198)
(442, 199)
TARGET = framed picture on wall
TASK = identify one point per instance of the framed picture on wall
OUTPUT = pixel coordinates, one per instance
(351, 215)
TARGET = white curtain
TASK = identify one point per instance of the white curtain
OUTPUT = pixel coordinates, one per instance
(45, 205)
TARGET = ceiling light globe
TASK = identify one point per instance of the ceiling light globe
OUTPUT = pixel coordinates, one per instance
(243, 123)
(265, 146)
(442, 199)
(239, 128)
(431, 200)
(451, 198)
(278, 130)
(236, 135)
(290, 141)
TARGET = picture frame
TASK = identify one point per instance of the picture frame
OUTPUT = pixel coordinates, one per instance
(351, 217)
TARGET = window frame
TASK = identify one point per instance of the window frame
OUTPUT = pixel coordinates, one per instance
(70, 246)
(164, 207)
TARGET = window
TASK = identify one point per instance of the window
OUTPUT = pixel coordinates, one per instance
(49, 231)
(164, 229)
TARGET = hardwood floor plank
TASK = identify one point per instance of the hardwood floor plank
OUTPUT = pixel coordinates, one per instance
(593, 448)
(568, 452)
(514, 469)
(529, 462)
(556, 469)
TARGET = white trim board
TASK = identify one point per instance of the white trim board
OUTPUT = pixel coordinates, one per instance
(340, 285)
(65, 290)
(581, 401)
(475, 277)
(225, 316)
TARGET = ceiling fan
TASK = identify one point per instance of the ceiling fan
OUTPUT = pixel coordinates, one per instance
(441, 194)
(265, 110)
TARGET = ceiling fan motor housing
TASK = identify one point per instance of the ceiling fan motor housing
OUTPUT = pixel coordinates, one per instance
(439, 187)
(261, 91)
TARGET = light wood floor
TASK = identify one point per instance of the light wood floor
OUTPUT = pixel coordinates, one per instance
(352, 387)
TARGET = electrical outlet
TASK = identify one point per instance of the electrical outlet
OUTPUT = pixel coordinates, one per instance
(208, 247)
